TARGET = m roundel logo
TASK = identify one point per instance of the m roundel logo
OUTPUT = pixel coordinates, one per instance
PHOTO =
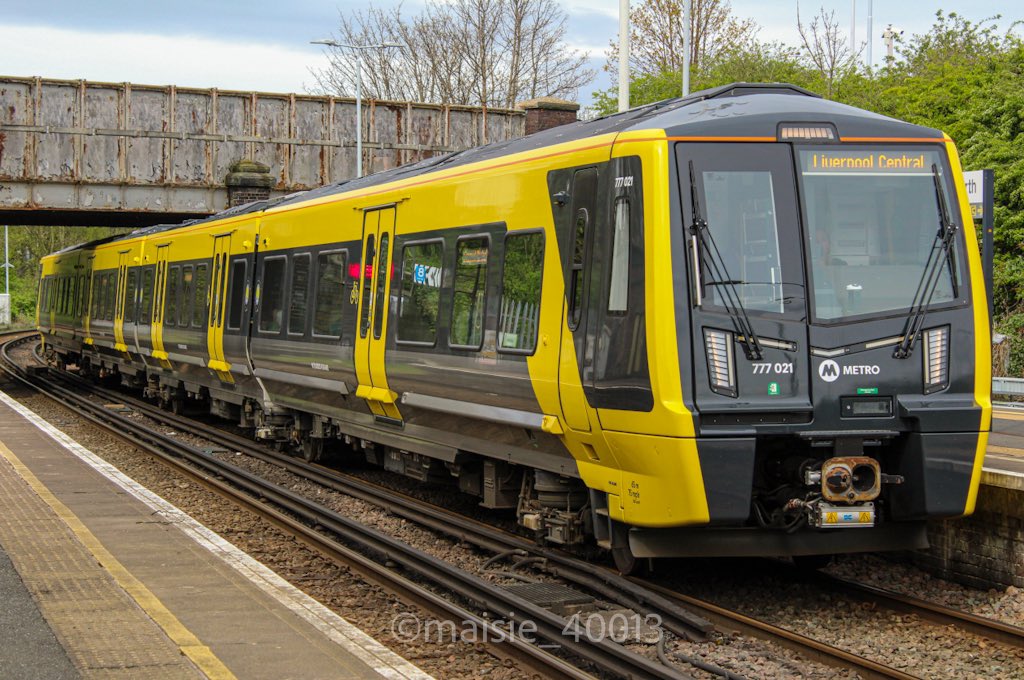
(828, 370)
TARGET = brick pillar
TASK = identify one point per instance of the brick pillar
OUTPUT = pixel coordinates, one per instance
(248, 181)
(548, 112)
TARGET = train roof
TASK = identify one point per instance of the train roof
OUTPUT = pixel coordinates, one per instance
(739, 110)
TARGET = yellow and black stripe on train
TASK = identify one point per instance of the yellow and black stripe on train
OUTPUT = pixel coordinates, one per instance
(745, 322)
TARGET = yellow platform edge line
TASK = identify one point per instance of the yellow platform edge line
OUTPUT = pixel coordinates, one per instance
(201, 655)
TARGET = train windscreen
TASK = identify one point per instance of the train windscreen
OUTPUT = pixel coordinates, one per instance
(872, 216)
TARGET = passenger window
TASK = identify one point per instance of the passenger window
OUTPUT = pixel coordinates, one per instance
(201, 298)
(171, 297)
(237, 298)
(299, 295)
(421, 292)
(618, 291)
(185, 309)
(130, 310)
(147, 296)
(330, 293)
(470, 292)
(97, 287)
(272, 295)
(520, 292)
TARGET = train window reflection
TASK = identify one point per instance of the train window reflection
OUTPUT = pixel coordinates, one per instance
(272, 292)
(185, 309)
(872, 216)
(237, 298)
(171, 310)
(520, 292)
(469, 295)
(618, 291)
(741, 217)
(147, 296)
(299, 295)
(421, 292)
(330, 293)
(200, 300)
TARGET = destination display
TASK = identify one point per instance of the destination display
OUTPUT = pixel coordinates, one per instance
(865, 161)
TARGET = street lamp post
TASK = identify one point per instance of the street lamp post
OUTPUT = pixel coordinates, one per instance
(359, 88)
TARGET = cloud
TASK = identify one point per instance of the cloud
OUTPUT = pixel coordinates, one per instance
(151, 59)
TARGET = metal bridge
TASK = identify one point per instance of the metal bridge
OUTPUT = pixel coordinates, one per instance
(88, 153)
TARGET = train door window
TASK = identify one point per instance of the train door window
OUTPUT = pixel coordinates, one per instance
(521, 279)
(272, 294)
(618, 290)
(382, 282)
(580, 228)
(236, 300)
(365, 284)
(330, 293)
(421, 292)
(219, 271)
(158, 291)
(171, 296)
(111, 294)
(201, 287)
(469, 293)
(146, 300)
(185, 308)
(299, 295)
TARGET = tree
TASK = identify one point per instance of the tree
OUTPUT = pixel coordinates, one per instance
(826, 47)
(656, 36)
(472, 52)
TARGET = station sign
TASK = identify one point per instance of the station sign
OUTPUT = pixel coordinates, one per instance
(975, 183)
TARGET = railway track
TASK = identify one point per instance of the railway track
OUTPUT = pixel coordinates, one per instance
(675, 610)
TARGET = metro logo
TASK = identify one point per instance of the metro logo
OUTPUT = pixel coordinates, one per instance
(828, 370)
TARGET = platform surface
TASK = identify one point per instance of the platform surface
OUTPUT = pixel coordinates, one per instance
(1004, 459)
(109, 581)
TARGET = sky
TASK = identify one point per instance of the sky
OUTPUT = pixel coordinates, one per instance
(264, 44)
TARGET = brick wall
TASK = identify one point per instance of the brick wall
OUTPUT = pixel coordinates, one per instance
(985, 550)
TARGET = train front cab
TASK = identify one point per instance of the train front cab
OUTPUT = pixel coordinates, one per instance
(830, 414)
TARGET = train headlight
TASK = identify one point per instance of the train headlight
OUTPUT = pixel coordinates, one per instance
(936, 359)
(718, 345)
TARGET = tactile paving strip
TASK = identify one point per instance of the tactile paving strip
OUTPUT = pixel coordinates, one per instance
(105, 633)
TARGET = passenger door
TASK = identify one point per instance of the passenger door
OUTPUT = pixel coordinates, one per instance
(374, 296)
(218, 301)
(576, 349)
(124, 314)
(159, 301)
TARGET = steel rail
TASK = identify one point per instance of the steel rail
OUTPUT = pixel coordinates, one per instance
(936, 613)
(808, 647)
(609, 585)
(601, 652)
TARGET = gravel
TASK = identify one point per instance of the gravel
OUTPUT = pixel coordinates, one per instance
(894, 639)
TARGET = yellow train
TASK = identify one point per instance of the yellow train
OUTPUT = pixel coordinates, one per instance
(747, 322)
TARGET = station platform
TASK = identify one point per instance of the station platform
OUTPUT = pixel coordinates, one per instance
(1004, 458)
(101, 578)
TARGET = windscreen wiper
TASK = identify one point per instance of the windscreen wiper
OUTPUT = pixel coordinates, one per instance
(703, 243)
(940, 257)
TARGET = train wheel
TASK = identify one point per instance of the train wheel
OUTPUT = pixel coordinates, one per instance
(312, 449)
(626, 562)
